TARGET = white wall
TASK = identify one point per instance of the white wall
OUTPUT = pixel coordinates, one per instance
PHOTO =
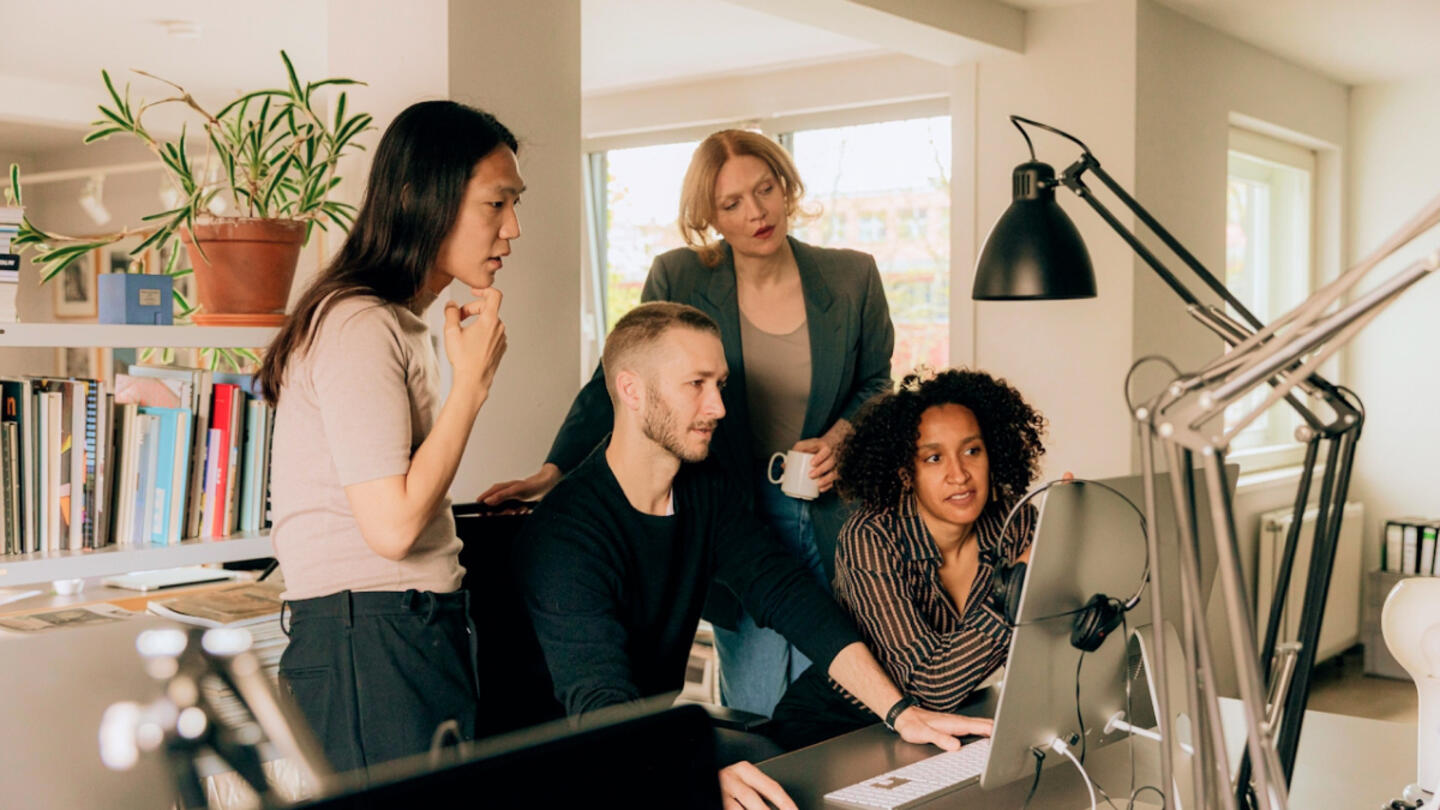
(1394, 170)
(522, 63)
(1192, 83)
(1077, 73)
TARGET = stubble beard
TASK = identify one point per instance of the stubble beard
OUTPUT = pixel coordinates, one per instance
(660, 426)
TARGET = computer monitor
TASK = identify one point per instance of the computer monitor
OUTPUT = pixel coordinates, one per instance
(1087, 541)
(635, 756)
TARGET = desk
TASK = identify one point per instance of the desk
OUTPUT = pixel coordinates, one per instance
(1343, 763)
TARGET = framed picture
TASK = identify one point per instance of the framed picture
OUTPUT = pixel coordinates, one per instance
(86, 362)
(75, 294)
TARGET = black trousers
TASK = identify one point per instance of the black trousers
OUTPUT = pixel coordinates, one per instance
(375, 673)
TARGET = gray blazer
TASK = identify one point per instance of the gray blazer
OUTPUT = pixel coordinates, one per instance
(851, 341)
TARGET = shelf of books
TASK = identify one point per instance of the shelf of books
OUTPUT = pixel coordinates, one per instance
(100, 335)
(169, 466)
(47, 566)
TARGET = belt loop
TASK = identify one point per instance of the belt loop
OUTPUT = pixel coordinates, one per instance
(285, 626)
(431, 607)
(407, 599)
(347, 609)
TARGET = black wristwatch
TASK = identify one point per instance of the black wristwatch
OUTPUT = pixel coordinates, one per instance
(900, 706)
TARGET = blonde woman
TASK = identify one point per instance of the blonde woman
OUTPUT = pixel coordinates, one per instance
(807, 337)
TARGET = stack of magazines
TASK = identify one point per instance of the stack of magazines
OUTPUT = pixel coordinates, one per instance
(254, 606)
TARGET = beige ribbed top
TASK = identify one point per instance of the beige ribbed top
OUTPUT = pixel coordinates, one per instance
(354, 407)
(777, 385)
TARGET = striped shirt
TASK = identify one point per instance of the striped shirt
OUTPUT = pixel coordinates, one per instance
(887, 576)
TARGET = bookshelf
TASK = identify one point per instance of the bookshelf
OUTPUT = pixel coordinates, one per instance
(117, 336)
(17, 570)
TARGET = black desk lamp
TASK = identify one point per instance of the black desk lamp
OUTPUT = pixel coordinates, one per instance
(1035, 252)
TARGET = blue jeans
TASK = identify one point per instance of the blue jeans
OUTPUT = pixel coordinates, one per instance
(757, 664)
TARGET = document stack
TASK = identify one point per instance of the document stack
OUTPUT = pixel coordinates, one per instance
(1409, 546)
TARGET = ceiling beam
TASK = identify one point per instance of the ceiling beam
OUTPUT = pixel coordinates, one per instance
(948, 32)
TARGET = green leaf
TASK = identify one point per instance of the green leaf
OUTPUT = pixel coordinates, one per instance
(114, 116)
(313, 86)
(101, 134)
(120, 103)
(15, 182)
(295, 90)
(185, 308)
(340, 111)
(244, 101)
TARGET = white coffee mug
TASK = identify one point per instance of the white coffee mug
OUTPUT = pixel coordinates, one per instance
(794, 479)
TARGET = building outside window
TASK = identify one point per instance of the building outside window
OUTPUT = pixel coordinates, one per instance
(883, 188)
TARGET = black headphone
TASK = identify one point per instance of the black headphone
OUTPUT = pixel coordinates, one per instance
(1099, 616)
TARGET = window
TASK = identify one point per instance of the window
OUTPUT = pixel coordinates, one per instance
(868, 177)
(1268, 266)
(883, 188)
(642, 202)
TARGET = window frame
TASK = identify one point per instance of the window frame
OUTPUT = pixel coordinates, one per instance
(779, 127)
(1275, 453)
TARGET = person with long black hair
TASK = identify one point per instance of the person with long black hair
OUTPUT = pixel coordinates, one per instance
(381, 646)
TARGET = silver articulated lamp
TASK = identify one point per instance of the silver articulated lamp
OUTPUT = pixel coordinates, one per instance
(1035, 252)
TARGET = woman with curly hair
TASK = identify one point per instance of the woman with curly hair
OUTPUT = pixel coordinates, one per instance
(933, 469)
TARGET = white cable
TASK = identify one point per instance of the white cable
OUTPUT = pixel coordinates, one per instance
(1058, 746)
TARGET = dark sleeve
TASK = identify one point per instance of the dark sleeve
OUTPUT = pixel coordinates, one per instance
(573, 596)
(776, 590)
(877, 344)
(592, 416)
(938, 669)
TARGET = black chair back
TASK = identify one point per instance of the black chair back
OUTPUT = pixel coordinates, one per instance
(515, 687)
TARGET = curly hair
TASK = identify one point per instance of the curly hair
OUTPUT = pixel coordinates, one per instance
(877, 460)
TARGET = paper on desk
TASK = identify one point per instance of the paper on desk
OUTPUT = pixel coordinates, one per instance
(69, 617)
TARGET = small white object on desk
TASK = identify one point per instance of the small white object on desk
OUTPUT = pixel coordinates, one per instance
(1410, 621)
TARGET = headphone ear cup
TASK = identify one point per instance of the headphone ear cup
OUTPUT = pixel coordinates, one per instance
(1095, 622)
(1010, 584)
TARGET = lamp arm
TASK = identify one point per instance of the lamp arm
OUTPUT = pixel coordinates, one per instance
(1345, 412)
(1090, 163)
(1072, 178)
(1301, 344)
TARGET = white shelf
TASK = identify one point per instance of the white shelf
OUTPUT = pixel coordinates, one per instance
(104, 335)
(46, 566)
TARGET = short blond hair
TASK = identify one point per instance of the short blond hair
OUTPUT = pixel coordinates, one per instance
(697, 193)
(638, 330)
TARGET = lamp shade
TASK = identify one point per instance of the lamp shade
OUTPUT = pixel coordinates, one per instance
(1034, 250)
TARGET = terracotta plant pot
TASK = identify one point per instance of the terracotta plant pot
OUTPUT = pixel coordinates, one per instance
(245, 275)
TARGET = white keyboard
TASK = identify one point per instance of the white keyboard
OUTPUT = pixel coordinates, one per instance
(920, 782)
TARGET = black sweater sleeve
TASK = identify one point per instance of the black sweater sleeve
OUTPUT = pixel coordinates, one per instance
(775, 589)
(572, 594)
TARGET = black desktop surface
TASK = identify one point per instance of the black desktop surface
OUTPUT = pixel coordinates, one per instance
(659, 759)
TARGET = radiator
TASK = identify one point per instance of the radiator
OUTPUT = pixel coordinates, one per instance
(1341, 628)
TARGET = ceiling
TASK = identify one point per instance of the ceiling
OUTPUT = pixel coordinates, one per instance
(627, 43)
(238, 46)
(634, 43)
(1351, 41)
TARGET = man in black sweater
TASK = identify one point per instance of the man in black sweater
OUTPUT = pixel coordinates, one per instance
(621, 554)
